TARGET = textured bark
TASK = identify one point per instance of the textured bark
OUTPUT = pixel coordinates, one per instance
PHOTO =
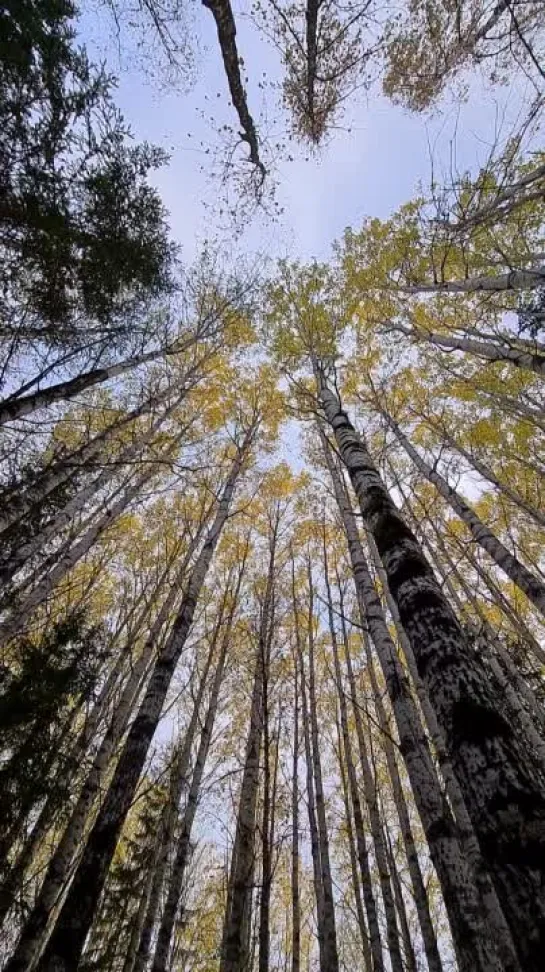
(474, 950)
(362, 924)
(370, 793)
(466, 831)
(511, 566)
(16, 408)
(488, 350)
(330, 956)
(237, 922)
(505, 796)
(417, 881)
(440, 828)
(65, 946)
(514, 280)
(222, 13)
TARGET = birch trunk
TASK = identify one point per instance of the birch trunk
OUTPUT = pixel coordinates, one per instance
(167, 822)
(66, 944)
(429, 938)
(369, 789)
(23, 610)
(488, 350)
(330, 954)
(514, 280)
(473, 947)
(55, 527)
(234, 947)
(362, 924)
(160, 959)
(295, 896)
(176, 881)
(511, 566)
(504, 794)
(16, 408)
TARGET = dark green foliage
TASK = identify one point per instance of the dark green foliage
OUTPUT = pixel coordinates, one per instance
(39, 690)
(81, 230)
(128, 880)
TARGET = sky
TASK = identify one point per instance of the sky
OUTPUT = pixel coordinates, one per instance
(372, 164)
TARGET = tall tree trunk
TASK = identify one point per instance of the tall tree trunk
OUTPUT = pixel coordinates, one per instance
(360, 915)
(330, 954)
(511, 566)
(489, 350)
(504, 795)
(409, 956)
(295, 895)
(417, 882)
(160, 959)
(514, 280)
(177, 876)
(16, 408)
(369, 789)
(457, 883)
(65, 946)
(166, 825)
(237, 921)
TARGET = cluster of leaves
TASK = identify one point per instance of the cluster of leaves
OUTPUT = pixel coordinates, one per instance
(82, 232)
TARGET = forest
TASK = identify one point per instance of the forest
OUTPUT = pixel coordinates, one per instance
(272, 527)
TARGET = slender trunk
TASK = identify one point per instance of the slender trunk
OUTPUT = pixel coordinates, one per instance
(360, 915)
(65, 946)
(369, 789)
(237, 922)
(295, 897)
(16, 408)
(511, 566)
(26, 550)
(160, 959)
(176, 880)
(330, 954)
(482, 349)
(417, 881)
(409, 956)
(266, 849)
(514, 280)
(504, 794)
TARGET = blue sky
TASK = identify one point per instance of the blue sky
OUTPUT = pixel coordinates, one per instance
(370, 166)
